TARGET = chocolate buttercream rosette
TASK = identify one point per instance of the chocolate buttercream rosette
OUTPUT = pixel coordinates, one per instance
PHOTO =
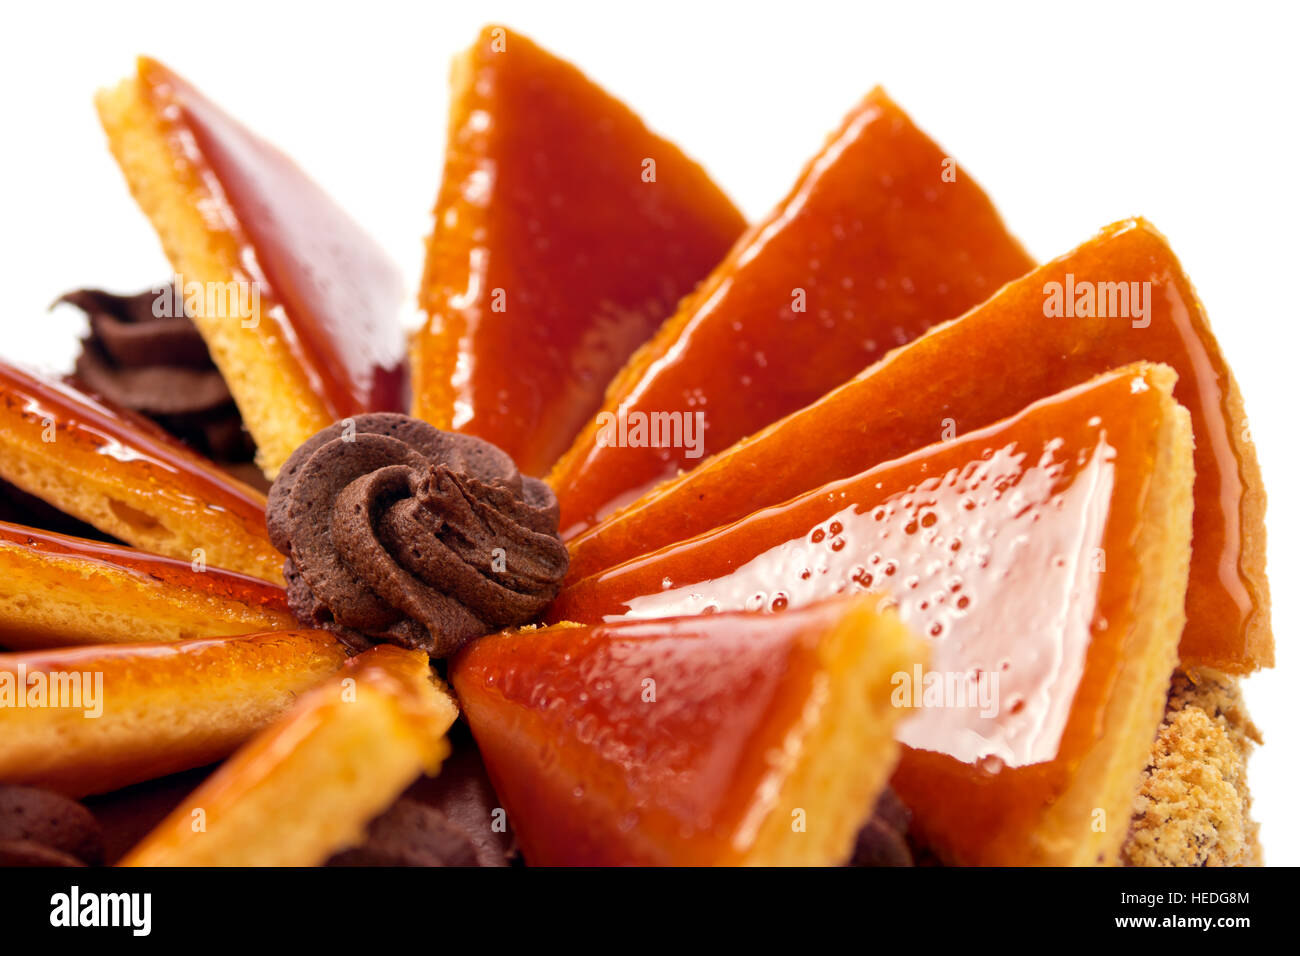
(411, 834)
(42, 828)
(396, 531)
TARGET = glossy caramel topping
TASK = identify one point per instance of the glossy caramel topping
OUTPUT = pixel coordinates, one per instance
(172, 572)
(873, 246)
(939, 387)
(330, 288)
(556, 250)
(131, 446)
(1014, 550)
(656, 742)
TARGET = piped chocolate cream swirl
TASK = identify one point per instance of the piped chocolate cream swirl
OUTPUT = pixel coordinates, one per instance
(395, 531)
(159, 366)
(41, 828)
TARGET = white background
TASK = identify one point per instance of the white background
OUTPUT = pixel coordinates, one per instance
(1071, 116)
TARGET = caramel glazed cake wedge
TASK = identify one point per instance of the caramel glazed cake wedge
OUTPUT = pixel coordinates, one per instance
(318, 337)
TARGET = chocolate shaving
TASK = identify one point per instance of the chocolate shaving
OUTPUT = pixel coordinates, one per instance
(158, 366)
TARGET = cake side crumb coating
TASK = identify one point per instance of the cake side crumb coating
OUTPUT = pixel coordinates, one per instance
(1193, 807)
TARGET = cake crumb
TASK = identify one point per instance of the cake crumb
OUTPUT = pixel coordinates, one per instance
(1193, 806)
